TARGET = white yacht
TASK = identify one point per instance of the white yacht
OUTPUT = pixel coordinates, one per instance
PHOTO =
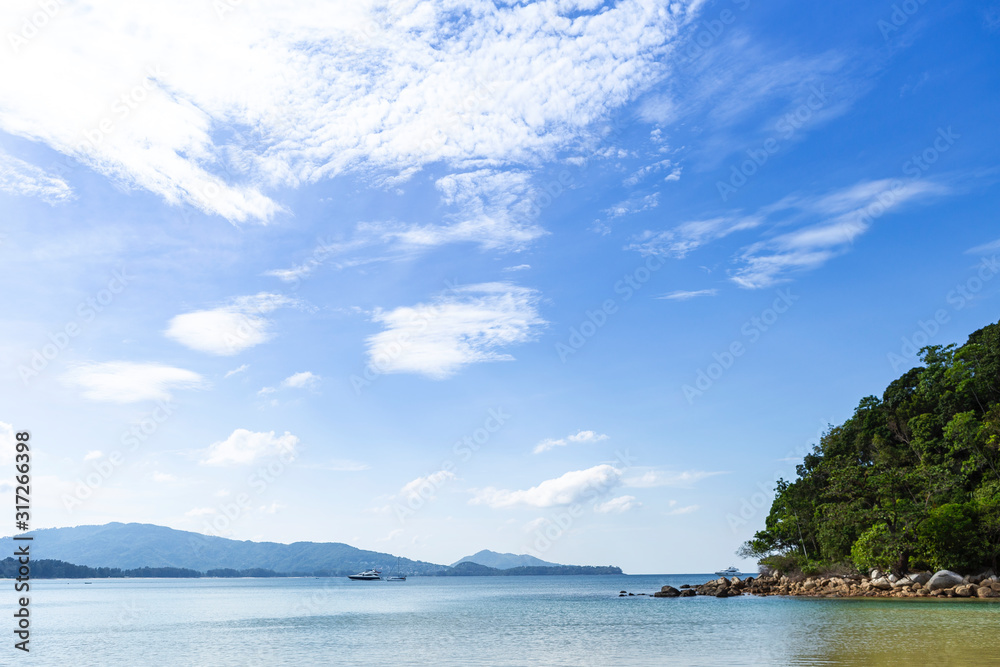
(731, 571)
(367, 575)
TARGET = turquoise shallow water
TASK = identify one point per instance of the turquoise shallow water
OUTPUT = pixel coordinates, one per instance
(485, 621)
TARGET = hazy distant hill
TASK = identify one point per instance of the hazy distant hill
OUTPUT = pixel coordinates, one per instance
(136, 545)
(470, 569)
(504, 561)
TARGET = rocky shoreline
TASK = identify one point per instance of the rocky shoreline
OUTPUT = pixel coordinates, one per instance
(941, 584)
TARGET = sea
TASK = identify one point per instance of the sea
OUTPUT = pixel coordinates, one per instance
(443, 621)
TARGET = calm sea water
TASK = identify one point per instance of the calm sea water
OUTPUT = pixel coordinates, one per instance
(484, 621)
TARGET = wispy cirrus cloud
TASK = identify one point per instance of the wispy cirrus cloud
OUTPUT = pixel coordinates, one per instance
(18, 177)
(471, 324)
(617, 505)
(579, 436)
(823, 227)
(130, 382)
(844, 215)
(682, 295)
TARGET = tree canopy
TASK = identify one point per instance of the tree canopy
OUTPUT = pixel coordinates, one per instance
(910, 481)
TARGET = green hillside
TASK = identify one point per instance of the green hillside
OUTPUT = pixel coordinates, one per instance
(909, 482)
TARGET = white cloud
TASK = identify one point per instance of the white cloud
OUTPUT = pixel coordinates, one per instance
(300, 380)
(688, 236)
(519, 267)
(680, 510)
(163, 477)
(273, 508)
(93, 455)
(572, 487)
(241, 369)
(633, 205)
(579, 436)
(682, 295)
(200, 511)
(470, 325)
(425, 487)
(284, 94)
(228, 330)
(244, 447)
(654, 478)
(986, 248)
(127, 382)
(617, 505)
(844, 215)
(17, 177)
(641, 173)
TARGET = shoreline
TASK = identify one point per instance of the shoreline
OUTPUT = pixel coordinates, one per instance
(942, 585)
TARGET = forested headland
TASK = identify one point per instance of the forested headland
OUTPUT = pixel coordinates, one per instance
(909, 482)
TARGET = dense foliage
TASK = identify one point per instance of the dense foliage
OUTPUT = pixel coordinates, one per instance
(909, 482)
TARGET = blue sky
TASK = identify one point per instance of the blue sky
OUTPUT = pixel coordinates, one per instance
(568, 278)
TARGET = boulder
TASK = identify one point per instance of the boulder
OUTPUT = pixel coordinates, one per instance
(881, 583)
(723, 594)
(809, 585)
(875, 574)
(986, 592)
(944, 579)
(964, 591)
(688, 593)
(667, 592)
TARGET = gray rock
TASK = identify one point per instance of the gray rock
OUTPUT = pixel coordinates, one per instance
(667, 592)
(881, 583)
(722, 594)
(688, 593)
(944, 579)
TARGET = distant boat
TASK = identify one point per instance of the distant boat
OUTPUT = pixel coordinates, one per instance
(731, 571)
(396, 577)
(367, 575)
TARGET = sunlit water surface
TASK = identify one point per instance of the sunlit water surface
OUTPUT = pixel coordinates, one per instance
(556, 620)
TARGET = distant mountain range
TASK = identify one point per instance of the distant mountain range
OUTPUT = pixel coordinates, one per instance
(504, 561)
(137, 545)
(133, 546)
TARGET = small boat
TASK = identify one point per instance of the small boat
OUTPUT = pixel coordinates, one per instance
(396, 577)
(731, 571)
(367, 575)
